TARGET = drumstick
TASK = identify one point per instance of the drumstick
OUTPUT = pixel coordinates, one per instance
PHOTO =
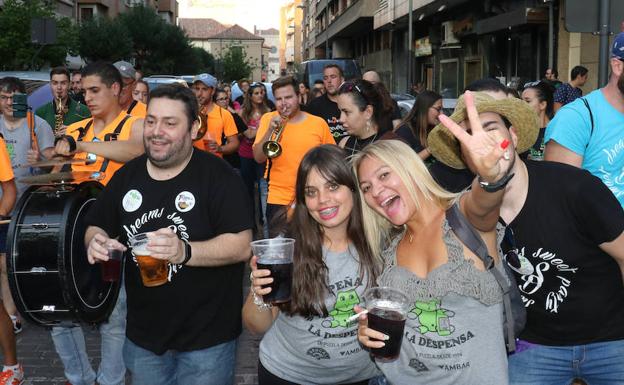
(5, 221)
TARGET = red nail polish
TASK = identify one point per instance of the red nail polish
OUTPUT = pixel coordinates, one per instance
(504, 144)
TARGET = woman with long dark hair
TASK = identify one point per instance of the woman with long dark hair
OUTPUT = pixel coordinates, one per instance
(539, 95)
(254, 107)
(365, 114)
(332, 266)
(420, 121)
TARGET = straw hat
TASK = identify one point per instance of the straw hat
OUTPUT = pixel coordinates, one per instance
(445, 147)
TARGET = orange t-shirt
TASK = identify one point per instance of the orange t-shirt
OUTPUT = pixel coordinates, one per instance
(220, 122)
(297, 139)
(113, 166)
(6, 171)
(137, 109)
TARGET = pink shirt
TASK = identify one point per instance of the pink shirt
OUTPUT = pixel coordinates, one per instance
(245, 150)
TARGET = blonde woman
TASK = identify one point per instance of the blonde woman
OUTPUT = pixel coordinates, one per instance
(453, 332)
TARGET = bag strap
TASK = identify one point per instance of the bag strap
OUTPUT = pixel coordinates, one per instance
(591, 118)
(131, 107)
(472, 239)
(113, 137)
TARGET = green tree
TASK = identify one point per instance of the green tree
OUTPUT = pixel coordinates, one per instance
(16, 50)
(234, 63)
(102, 38)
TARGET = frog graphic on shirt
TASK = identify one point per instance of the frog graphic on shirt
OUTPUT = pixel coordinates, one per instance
(433, 318)
(345, 301)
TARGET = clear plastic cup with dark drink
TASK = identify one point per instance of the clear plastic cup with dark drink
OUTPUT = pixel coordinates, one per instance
(387, 310)
(276, 255)
(111, 269)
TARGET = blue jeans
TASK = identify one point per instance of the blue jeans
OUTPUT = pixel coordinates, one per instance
(210, 366)
(600, 363)
(70, 346)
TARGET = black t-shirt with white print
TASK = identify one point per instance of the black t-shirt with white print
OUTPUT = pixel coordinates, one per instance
(198, 307)
(324, 108)
(574, 294)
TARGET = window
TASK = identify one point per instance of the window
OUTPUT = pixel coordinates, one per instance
(449, 73)
(86, 13)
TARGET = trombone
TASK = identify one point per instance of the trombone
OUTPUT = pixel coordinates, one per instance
(272, 148)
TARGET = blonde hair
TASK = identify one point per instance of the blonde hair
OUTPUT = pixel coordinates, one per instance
(412, 171)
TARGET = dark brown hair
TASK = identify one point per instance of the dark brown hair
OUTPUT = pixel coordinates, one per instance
(417, 119)
(285, 81)
(365, 93)
(248, 106)
(310, 273)
(60, 71)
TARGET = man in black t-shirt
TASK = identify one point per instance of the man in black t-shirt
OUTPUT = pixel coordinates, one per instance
(565, 242)
(196, 213)
(326, 106)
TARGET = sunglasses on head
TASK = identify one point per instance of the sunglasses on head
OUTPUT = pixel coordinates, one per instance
(351, 87)
(510, 249)
(532, 84)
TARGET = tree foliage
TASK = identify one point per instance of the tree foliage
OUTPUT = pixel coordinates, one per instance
(234, 63)
(139, 34)
(16, 50)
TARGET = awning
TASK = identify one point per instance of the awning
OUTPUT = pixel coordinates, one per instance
(514, 18)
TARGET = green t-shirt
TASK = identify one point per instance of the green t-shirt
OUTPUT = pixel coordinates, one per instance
(75, 113)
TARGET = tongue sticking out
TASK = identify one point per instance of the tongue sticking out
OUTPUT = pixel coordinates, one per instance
(392, 207)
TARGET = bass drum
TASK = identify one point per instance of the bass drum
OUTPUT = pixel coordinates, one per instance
(49, 275)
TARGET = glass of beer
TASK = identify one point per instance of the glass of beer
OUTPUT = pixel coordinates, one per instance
(154, 271)
(111, 269)
(276, 255)
(387, 310)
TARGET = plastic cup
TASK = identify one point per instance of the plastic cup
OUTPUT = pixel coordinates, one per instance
(387, 310)
(111, 269)
(276, 255)
(154, 271)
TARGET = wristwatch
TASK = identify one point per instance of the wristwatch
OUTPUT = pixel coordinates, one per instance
(187, 252)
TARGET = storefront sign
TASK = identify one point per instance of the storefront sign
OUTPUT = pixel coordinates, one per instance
(422, 47)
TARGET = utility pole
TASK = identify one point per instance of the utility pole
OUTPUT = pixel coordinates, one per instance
(410, 54)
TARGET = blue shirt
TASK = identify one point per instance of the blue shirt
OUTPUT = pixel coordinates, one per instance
(603, 148)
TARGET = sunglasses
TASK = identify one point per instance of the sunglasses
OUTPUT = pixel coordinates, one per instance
(351, 87)
(532, 84)
(510, 249)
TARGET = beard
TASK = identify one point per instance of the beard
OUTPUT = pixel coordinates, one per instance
(177, 153)
(620, 83)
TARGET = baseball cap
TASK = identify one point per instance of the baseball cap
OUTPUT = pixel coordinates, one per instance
(207, 79)
(618, 46)
(125, 69)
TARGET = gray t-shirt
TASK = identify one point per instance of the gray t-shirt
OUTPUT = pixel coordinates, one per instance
(453, 332)
(18, 144)
(322, 350)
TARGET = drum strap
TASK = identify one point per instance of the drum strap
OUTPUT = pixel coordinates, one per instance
(82, 131)
(134, 104)
(113, 137)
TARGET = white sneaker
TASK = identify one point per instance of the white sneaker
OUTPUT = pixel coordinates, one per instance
(11, 377)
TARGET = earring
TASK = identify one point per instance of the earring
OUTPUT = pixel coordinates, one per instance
(506, 155)
(368, 125)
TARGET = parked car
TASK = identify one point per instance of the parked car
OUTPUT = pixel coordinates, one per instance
(236, 91)
(155, 81)
(312, 70)
(406, 103)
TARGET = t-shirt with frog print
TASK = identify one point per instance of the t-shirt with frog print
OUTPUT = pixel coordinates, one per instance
(454, 328)
(322, 350)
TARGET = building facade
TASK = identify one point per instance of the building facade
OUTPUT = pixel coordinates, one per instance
(271, 57)
(290, 49)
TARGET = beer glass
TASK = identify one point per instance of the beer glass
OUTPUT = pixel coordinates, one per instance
(276, 255)
(387, 310)
(111, 269)
(154, 271)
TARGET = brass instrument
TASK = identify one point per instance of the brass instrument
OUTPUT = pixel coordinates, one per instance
(59, 116)
(203, 126)
(272, 148)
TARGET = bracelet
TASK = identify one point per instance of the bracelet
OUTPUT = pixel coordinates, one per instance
(187, 252)
(262, 306)
(495, 186)
(70, 140)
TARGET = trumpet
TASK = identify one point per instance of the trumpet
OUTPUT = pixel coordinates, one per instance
(272, 148)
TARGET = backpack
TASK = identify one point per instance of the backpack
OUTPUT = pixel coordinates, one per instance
(514, 312)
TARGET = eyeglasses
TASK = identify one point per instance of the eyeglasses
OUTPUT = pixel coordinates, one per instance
(439, 109)
(350, 87)
(221, 99)
(510, 250)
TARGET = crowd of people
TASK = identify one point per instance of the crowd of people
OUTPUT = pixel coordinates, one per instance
(367, 196)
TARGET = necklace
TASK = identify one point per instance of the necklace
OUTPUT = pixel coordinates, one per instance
(366, 142)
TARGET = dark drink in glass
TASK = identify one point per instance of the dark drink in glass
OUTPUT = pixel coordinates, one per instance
(282, 281)
(390, 323)
(111, 269)
(387, 310)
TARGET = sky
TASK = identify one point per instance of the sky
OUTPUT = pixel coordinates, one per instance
(246, 13)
